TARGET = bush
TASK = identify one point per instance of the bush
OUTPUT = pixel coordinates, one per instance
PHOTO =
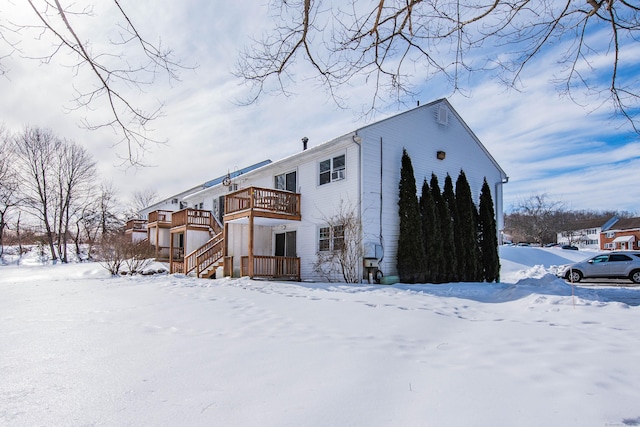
(118, 251)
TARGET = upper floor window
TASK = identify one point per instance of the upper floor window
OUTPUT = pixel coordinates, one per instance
(332, 169)
(611, 234)
(286, 181)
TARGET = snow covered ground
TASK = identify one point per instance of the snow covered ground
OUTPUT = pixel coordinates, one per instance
(78, 347)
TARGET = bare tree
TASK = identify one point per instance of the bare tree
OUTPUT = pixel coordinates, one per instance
(36, 151)
(8, 184)
(341, 249)
(141, 200)
(98, 217)
(56, 177)
(537, 218)
(398, 45)
(126, 61)
(108, 215)
(76, 171)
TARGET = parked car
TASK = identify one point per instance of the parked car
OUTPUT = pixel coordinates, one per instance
(613, 265)
(569, 247)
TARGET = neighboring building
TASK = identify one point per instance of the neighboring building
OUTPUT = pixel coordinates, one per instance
(623, 234)
(585, 233)
(274, 219)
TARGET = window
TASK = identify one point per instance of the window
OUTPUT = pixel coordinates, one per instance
(331, 238)
(600, 258)
(286, 181)
(611, 234)
(324, 241)
(338, 237)
(619, 257)
(332, 169)
(609, 246)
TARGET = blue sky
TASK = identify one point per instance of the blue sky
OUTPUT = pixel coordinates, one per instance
(579, 155)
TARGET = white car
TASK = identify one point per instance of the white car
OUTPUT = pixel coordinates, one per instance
(612, 265)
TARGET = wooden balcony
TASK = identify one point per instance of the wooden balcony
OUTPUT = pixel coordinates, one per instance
(272, 267)
(160, 218)
(195, 218)
(136, 225)
(262, 202)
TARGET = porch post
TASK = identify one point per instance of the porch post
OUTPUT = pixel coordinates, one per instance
(225, 235)
(157, 239)
(171, 252)
(251, 245)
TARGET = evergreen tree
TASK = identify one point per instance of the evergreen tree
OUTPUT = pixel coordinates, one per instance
(446, 245)
(488, 236)
(466, 226)
(449, 198)
(431, 235)
(411, 257)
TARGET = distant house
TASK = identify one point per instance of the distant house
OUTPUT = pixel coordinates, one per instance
(585, 233)
(623, 234)
(274, 219)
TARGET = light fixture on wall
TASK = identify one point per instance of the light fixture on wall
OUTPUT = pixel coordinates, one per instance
(441, 155)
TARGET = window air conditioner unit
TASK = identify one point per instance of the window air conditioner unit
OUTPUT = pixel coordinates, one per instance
(337, 175)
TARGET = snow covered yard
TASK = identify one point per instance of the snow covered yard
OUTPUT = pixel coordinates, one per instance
(80, 348)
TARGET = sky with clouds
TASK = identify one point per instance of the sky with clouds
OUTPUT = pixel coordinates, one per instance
(579, 155)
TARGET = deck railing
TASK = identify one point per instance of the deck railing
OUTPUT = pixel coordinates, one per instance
(194, 218)
(162, 252)
(160, 216)
(136, 225)
(264, 200)
(272, 267)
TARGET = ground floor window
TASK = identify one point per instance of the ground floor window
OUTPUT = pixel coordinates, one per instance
(330, 238)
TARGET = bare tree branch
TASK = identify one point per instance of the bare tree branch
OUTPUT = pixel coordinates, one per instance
(114, 74)
(399, 45)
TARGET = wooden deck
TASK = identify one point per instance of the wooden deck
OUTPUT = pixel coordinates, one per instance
(195, 218)
(136, 225)
(160, 218)
(262, 202)
(272, 267)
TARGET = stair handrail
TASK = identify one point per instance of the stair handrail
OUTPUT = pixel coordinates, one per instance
(192, 260)
(211, 255)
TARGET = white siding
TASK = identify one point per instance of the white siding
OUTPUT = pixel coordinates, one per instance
(318, 203)
(420, 133)
(195, 239)
(370, 184)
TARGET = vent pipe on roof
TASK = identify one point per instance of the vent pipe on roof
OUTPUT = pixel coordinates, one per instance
(304, 143)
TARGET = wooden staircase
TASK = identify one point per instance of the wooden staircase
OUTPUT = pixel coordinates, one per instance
(204, 260)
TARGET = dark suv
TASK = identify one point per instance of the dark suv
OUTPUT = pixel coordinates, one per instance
(613, 265)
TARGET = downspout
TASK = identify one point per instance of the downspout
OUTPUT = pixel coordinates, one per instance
(500, 208)
(358, 141)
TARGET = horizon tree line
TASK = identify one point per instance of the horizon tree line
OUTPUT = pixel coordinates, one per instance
(53, 180)
(443, 236)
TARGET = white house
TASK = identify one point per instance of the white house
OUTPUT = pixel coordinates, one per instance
(273, 220)
(585, 233)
